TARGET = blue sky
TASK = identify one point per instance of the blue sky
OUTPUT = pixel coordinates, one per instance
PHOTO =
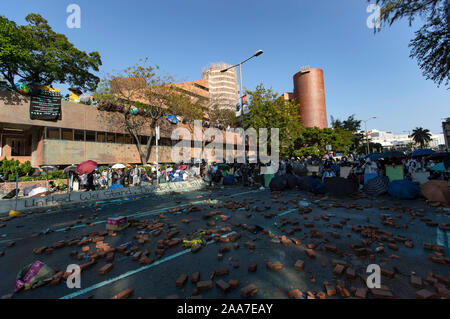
(365, 74)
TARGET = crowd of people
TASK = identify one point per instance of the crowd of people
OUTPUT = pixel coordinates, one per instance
(360, 168)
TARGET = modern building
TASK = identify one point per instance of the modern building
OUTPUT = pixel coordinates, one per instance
(391, 140)
(446, 133)
(223, 86)
(81, 132)
(309, 93)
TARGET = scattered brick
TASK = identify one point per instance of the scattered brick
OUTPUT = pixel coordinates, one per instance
(252, 267)
(233, 283)
(223, 285)
(382, 294)
(416, 281)
(339, 269)
(311, 253)
(274, 265)
(249, 290)
(127, 293)
(299, 265)
(204, 285)
(40, 250)
(146, 260)
(181, 280)
(105, 269)
(222, 271)
(424, 294)
(295, 294)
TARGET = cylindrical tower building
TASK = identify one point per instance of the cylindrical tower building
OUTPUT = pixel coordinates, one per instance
(309, 92)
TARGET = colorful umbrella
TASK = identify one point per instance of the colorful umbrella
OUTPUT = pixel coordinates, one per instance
(87, 167)
(436, 191)
(422, 152)
(439, 167)
(375, 156)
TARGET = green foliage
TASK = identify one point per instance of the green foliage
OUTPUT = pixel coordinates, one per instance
(269, 110)
(421, 136)
(37, 54)
(307, 151)
(431, 43)
(350, 124)
(8, 168)
(373, 148)
(316, 139)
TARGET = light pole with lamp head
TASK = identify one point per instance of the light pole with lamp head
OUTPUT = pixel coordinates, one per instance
(367, 135)
(257, 53)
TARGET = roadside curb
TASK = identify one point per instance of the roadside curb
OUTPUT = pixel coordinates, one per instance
(77, 198)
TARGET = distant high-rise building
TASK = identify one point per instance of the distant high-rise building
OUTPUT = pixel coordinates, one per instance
(309, 93)
(223, 86)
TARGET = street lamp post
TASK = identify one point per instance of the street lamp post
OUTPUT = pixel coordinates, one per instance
(259, 52)
(367, 135)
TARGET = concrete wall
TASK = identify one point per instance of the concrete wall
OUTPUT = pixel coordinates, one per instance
(77, 198)
(60, 152)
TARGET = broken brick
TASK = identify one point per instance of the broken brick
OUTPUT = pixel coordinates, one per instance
(105, 269)
(127, 293)
(223, 285)
(274, 265)
(181, 280)
(299, 265)
(204, 285)
(249, 290)
(424, 294)
(295, 294)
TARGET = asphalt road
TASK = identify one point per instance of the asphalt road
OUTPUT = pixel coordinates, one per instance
(158, 280)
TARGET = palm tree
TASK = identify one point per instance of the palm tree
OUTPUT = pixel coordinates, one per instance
(421, 136)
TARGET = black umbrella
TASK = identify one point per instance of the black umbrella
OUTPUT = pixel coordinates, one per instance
(291, 181)
(444, 157)
(278, 183)
(11, 194)
(340, 186)
(438, 156)
(376, 186)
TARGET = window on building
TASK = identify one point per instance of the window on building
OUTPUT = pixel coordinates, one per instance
(129, 139)
(53, 133)
(67, 134)
(120, 138)
(90, 136)
(101, 137)
(144, 140)
(111, 137)
(19, 147)
(79, 135)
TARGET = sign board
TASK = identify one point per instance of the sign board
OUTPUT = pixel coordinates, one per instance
(157, 133)
(45, 105)
(329, 148)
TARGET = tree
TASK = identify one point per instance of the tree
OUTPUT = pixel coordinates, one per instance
(268, 110)
(137, 99)
(421, 136)
(37, 54)
(315, 140)
(352, 125)
(430, 45)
